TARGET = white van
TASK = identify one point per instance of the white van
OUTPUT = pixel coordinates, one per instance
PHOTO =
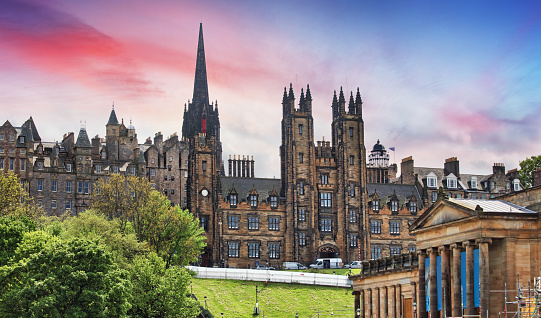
(293, 265)
(327, 263)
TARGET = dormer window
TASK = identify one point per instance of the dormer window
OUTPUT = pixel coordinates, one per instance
(253, 200)
(274, 201)
(516, 185)
(233, 199)
(431, 181)
(451, 181)
(394, 207)
(474, 182)
(103, 155)
(413, 206)
(68, 167)
(375, 206)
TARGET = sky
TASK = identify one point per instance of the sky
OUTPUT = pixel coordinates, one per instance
(438, 79)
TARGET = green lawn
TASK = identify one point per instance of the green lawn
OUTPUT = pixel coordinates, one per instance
(237, 299)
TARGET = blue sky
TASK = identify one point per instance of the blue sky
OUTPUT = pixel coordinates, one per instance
(438, 79)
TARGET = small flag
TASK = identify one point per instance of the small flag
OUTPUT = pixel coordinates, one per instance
(391, 148)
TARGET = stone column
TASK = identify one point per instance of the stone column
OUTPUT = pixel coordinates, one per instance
(433, 277)
(386, 299)
(470, 310)
(357, 302)
(456, 285)
(484, 280)
(421, 304)
(370, 303)
(399, 308)
(445, 281)
(393, 303)
(413, 299)
(378, 302)
(363, 304)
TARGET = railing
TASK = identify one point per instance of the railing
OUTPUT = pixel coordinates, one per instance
(273, 276)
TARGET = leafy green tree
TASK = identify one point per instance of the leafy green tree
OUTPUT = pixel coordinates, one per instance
(527, 169)
(73, 278)
(12, 230)
(173, 233)
(14, 200)
(121, 197)
(93, 225)
(159, 291)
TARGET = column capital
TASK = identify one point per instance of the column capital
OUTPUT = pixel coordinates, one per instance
(443, 248)
(421, 253)
(483, 240)
(468, 244)
(455, 246)
(431, 250)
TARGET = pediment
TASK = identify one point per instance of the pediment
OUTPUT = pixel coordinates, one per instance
(445, 214)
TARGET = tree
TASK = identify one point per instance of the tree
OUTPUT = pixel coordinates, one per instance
(12, 230)
(528, 168)
(73, 278)
(14, 200)
(159, 291)
(120, 197)
(173, 233)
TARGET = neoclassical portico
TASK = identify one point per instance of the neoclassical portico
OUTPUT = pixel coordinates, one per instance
(467, 252)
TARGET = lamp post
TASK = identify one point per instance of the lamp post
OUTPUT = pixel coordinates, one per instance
(205, 302)
(256, 308)
(358, 313)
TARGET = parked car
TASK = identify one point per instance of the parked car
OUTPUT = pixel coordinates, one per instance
(265, 267)
(293, 265)
(355, 264)
(327, 263)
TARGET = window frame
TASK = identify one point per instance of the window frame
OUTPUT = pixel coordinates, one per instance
(274, 250)
(253, 222)
(325, 224)
(375, 227)
(233, 222)
(274, 223)
(253, 249)
(325, 199)
(233, 249)
(352, 216)
(301, 214)
(394, 227)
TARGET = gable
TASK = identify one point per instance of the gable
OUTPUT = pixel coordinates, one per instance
(445, 214)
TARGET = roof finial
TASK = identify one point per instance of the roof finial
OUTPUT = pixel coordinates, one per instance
(113, 105)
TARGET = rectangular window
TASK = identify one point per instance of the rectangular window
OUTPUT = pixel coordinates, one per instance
(253, 250)
(205, 223)
(352, 190)
(434, 196)
(324, 178)
(375, 227)
(233, 199)
(11, 137)
(98, 168)
(40, 185)
(300, 129)
(170, 158)
(1, 162)
(451, 183)
(431, 182)
(375, 206)
(458, 196)
(301, 157)
(274, 250)
(394, 250)
(1, 136)
(352, 216)
(152, 172)
(23, 151)
(53, 204)
(40, 202)
(68, 205)
(23, 184)
(68, 186)
(165, 178)
(301, 188)
(274, 223)
(87, 187)
(474, 196)
(132, 171)
(474, 182)
(253, 200)
(351, 160)
(115, 169)
(394, 206)
(172, 191)
(54, 185)
(80, 187)
(413, 206)
(326, 225)
(302, 239)
(233, 249)
(274, 201)
(40, 165)
(11, 164)
(353, 240)
(302, 215)
(233, 222)
(23, 165)
(68, 167)
(351, 131)
(253, 223)
(394, 227)
(325, 199)
(376, 251)
(412, 249)
(204, 166)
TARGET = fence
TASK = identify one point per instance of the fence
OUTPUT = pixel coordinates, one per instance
(272, 276)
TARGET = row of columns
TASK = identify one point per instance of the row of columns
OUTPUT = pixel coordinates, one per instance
(242, 168)
(380, 302)
(451, 284)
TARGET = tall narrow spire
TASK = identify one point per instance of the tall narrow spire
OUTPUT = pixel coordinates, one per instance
(200, 87)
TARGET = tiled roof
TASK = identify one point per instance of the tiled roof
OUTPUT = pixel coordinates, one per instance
(82, 139)
(463, 180)
(386, 190)
(243, 186)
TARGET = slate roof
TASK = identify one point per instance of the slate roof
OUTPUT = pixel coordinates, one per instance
(112, 118)
(243, 186)
(463, 180)
(498, 206)
(82, 139)
(386, 190)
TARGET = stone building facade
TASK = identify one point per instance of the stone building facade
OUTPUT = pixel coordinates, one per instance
(468, 252)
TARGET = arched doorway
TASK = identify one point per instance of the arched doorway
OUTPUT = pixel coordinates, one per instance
(328, 251)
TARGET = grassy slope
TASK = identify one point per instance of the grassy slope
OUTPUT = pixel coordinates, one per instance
(237, 298)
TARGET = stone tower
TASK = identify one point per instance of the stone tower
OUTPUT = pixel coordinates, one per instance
(201, 129)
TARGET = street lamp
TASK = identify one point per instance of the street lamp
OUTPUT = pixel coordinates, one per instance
(256, 308)
(205, 302)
